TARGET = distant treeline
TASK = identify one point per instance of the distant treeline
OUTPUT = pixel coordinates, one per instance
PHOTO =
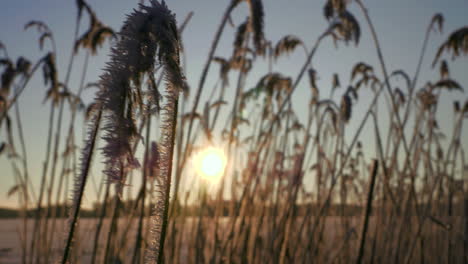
(229, 208)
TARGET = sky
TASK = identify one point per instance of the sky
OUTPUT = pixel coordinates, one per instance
(401, 26)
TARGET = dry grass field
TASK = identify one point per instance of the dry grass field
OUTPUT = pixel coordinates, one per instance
(228, 167)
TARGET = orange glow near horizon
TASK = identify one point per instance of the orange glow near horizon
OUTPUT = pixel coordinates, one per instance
(210, 164)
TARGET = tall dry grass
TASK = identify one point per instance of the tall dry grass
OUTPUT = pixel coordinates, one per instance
(292, 192)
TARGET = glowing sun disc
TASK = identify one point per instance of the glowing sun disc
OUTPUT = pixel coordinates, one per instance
(210, 163)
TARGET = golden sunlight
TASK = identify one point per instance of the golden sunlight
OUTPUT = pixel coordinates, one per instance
(210, 163)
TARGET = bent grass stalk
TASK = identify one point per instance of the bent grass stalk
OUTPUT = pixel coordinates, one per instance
(81, 183)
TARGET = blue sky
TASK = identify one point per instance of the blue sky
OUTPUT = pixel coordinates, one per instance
(401, 25)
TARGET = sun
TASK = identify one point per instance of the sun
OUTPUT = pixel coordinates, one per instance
(210, 163)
